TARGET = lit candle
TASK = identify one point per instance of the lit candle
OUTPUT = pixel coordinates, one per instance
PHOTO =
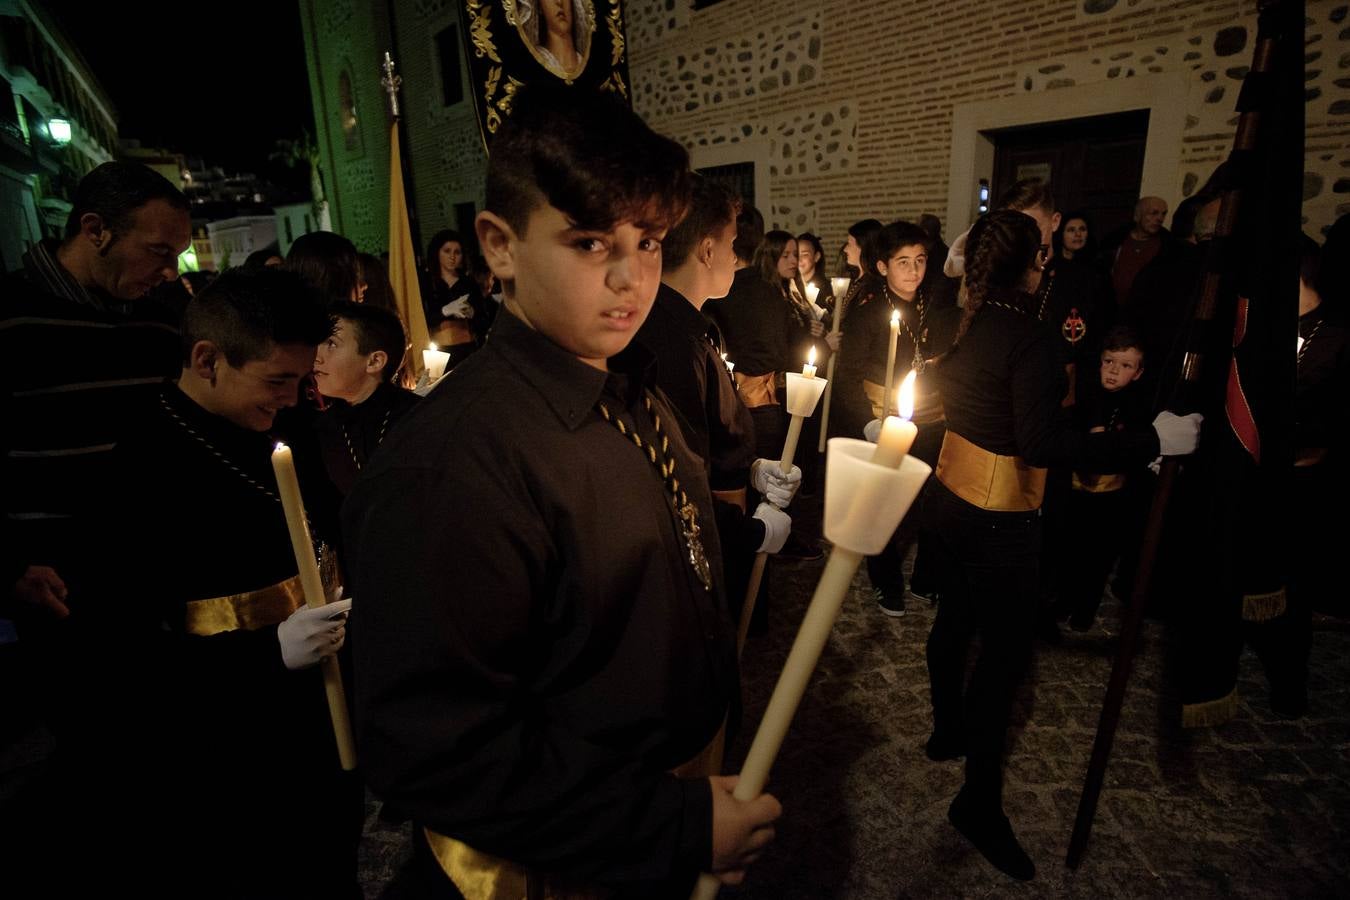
(890, 362)
(898, 432)
(288, 488)
(812, 292)
(435, 362)
(809, 370)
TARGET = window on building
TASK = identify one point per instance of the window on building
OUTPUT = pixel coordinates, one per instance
(739, 178)
(347, 110)
(447, 49)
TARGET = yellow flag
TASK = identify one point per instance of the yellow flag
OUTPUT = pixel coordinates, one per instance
(403, 262)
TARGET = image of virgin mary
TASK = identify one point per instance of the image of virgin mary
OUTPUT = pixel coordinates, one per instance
(556, 32)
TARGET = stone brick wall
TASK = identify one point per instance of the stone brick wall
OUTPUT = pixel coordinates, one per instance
(858, 113)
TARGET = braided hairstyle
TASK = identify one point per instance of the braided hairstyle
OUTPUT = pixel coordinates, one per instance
(1000, 248)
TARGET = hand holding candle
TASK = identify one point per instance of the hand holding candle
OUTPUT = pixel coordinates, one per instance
(288, 488)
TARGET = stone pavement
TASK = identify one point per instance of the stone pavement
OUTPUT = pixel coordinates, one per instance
(1258, 807)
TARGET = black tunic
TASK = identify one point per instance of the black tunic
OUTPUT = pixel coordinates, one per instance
(754, 319)
(348, 435)
(537, 653)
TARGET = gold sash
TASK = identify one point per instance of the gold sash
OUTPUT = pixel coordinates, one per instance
(735, 498)
(248, 611)
(927, 405)
(756, 390)
(875, 395)
(989, 480)
(482, 876)
(451, 333)
(1092, 483)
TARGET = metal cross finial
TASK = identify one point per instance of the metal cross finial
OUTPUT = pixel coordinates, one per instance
(391, 83)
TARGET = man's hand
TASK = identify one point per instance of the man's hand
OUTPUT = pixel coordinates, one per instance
(40, 586)
(741, 829)
(817, 329)
(310, 635)
(832, 338)
(769, 480)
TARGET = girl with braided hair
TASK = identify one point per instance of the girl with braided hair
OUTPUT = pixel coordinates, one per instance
(1001, 383)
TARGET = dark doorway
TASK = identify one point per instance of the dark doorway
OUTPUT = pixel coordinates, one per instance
(739, 178)
(1094, 164)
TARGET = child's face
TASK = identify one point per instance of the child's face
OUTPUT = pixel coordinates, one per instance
(588, 291)
(1121, 367)
(340, 369)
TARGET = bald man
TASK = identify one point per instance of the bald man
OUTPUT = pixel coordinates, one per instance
(1140, 245)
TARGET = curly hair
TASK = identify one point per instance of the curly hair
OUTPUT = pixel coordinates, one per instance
(1000, 249)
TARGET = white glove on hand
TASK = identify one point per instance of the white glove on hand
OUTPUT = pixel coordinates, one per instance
(872, 430)
(769, 480)
(309, 635)
(777, 525)
(1177, 435)
(458, 309)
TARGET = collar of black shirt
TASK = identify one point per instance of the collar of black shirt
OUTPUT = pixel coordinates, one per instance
(219, 433)
(569, 386)
(681, 311)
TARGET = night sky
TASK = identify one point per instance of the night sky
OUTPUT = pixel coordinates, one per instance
(222, 81)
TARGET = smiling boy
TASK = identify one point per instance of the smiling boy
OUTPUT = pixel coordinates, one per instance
(534, 664)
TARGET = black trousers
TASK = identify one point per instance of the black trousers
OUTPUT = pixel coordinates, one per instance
(886, 569)
(1086, 550)
(987, 565)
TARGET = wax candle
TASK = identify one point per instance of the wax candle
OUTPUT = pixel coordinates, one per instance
(435, 362)
(898, 432)
(809, 370)
(890, 362)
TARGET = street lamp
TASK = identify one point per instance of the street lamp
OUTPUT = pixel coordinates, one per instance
(59, 129)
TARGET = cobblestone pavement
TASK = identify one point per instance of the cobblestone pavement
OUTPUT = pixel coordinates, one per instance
(1258, 807)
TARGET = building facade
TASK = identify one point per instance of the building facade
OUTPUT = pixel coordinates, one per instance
(56, 124)
(833, 112)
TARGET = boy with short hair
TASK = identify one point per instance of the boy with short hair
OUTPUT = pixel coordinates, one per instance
(545, 641)
(198, 667)
(1097, 509)
(356, 366)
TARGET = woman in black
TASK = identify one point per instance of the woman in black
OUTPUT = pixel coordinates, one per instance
(1001, 384)
(451, 299)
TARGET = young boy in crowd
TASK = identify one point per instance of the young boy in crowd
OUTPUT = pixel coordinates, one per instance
(1097, 508)
(545, 639)
(204, 707)
(357, 366)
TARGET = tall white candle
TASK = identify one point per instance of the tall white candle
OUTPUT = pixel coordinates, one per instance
(890, 362)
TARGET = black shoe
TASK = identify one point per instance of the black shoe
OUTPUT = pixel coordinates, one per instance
(944, 745)
(991, 834)
(799, 548)
(931, 594)
(890, 603)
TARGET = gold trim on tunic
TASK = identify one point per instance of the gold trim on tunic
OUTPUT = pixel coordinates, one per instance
(989, 480)
(1093, 483)
(756, 390)
(482, 876)
(248, 611)
(735, 498)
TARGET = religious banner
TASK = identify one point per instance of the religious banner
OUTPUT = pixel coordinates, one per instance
(512, 43)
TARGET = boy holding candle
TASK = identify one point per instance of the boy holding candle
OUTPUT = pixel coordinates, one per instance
(529, 715)
(198, 663)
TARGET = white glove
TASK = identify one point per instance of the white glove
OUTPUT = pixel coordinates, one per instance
(458, 309)
(769, 480)
(872, 430)
(1177, 435)
(777, 525)
(309, 635)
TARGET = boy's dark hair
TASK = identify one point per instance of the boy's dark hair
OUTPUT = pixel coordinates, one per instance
(1029, 193)
(931, 225)
(711, 208)
(375, 329)
(749, 232)
(246, 313)
(1123, 337)
(328, 261)
(115, 190)
(589, 156)
(894, 236)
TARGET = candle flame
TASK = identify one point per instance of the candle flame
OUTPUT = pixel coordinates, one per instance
(906, 399)
(280, 446)
(895, 317)
(433, 346)
(811, 356)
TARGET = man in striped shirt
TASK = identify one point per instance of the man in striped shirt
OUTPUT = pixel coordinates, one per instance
(78, 341)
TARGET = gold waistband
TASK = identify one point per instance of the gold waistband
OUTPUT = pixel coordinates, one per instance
(927, 406)
(735, 498)
(1092, 483)
(248, 611)
(989, 480)
(482, 876)
(756, 390)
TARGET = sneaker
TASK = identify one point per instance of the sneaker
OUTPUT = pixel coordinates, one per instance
(993, 836)
(799, 548)
(944, 745)
(890, 604)
(931, 594)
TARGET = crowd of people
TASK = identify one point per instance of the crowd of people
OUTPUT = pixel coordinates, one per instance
(537, 562)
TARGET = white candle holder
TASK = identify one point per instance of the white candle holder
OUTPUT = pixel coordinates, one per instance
(803, 394)
(864, 501)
